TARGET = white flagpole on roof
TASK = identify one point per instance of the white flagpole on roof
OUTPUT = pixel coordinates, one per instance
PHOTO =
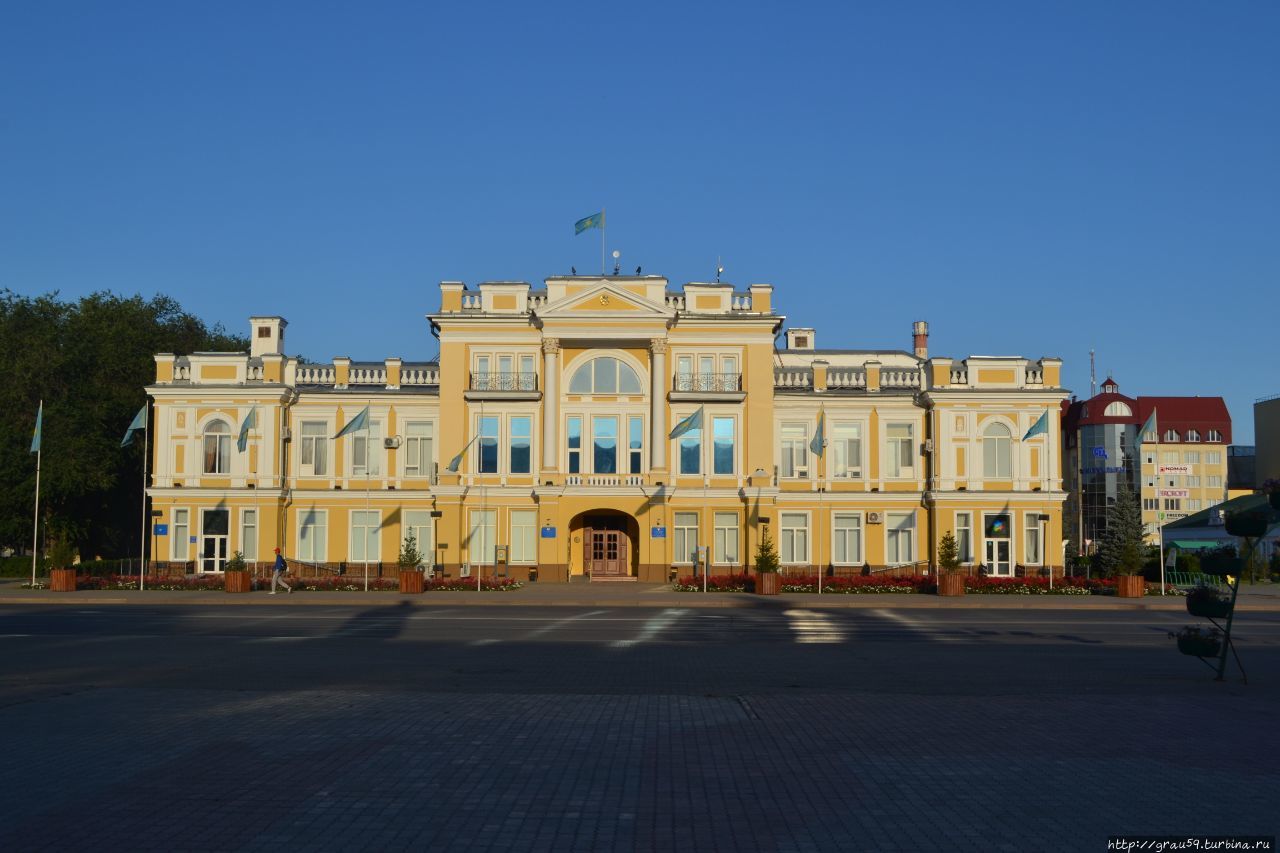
(35, 527)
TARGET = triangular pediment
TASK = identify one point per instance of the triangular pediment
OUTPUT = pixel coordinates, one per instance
(606, 300)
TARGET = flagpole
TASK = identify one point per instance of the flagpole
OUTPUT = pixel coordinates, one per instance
(602, 249)
(35, 526)
(368, 465)
(1159, 532)
(142, 549)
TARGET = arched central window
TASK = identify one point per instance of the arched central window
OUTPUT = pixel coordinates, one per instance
(997, 452)
(1118, 410)
(217, 448)
(605, 375)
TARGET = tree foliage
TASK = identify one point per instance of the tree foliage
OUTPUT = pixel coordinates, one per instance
(1122, 550)
(766, 554)
(89, 361)
(949, 552)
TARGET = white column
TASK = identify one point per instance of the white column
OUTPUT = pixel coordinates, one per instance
(658, 404)
(550, 402)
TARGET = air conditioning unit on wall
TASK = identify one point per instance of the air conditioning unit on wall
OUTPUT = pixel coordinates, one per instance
(875, 517)
(392, 442)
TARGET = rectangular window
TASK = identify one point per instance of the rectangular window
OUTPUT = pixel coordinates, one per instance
(1031, 539)
(684, 537)
(1193, 505)
(366, 445)
(1215, 481)
(964, 536)
(418, 523)
(793, 537)
(691, 452)
(524, 545)
(364, 535)
(312, 535)
(180, 534)
(722, 446)
(527, 373)
(1149, 457)
(1173, 503)
(604, 445)
(481, 543)
(846, 450)
(635, 444)
(574, 435)
(417, 449)
(521, 442)
(726, 537)
(249, 535)
(846, 532)
(1169, 457)
(794, 455)
(900, 528)
(898, 456)
(1151, 504)
(706, 372)
(504, 370)
(487, 456)
(1213, 457)
(684, 370)
(1193, 481)
(314, 458)
(1191, 457)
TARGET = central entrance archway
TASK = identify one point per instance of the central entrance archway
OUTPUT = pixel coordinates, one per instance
(609, 545)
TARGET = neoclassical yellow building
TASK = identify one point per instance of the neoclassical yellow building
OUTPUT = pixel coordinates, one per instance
(561, 403)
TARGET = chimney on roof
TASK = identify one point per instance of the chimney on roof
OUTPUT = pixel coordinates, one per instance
(920, 331)
(266, 336)
(800, 339)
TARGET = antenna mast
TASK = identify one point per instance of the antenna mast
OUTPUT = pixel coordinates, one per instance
(1093, 376)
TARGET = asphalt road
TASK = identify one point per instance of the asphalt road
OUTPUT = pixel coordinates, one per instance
(768, 727)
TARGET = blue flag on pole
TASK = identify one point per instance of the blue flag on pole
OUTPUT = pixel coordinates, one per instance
(1040, 427)
(690, 423)
(357, 423)
(819, 442)
(457, 460)
(35, 437)
(595, 220)
(250, 422)
(138, 424)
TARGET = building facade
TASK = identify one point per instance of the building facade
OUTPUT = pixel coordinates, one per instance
(558, 405)
(1175, 471)
(1266, 436)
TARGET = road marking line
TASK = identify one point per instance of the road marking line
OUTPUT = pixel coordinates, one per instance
(915, 625)
(811, 626)
(560, 623)
(652, 628)
(489, 642)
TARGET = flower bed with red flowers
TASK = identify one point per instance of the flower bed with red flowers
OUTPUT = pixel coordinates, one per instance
(715, 583)
(331, 583)
(856, 585)
(469, 585)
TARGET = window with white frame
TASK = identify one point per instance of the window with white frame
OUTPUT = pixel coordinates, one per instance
(1193, 504)
(487, 427)
(706, 372)
(1214, 436)
(1193, 481)
(482, 542)
(1215, 481)
(1031, 539)
(604, 444)
(690, 451)
(312, 535)
(524, 544)
(249, 535)
(846, 450)
(366, 450)
(1149, 481)
(217, 448)
(181, 533)
(498, 372)
(793, 537)
(605, 375)
(1169, 457)
(635, 444)
(1170, 435)
(899, 451)
(964, 536)
(900, 534)
(1151, 504)
(1193, 435)
(684, 530)
(418, 454)
(313, 457)
(1213, 457)
(1173, 504)
(419, 524)
(725, 541)
(573, 438)
(997, 452)
(794, 452)
(365, 528)
(722, 447)
(1117, 410)
(1191, 457)
(520, 444)
(846, 538)
(1149, 457)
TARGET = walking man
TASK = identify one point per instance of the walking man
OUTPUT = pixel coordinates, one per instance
(277, 574)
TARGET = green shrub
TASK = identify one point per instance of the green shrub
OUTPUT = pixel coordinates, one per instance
(19, 566)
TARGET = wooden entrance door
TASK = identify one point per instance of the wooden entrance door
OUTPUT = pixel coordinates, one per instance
(606, 553)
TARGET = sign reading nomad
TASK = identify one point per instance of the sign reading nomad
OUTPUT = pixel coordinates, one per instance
(1175, 469)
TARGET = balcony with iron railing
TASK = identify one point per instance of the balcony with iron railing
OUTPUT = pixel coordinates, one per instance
(503, 385)
(707, 386)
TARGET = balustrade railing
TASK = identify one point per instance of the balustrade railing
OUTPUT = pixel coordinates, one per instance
(420, 376)
(315, 374)
(792, 377)
(899, 379)
(504, 382)
(708, 382)
(604, 480)
(837, 378)
(367, 376)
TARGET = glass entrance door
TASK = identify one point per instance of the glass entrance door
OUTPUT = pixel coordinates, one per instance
(997, 532)
(214, 539)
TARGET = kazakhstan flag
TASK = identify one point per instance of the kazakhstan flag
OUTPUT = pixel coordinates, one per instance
(35, 437)
(595, 220)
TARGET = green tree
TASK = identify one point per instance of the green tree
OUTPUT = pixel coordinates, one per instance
(410, 556)
(89, 361)
(766, 554)
(948, 553)
(1122, 550)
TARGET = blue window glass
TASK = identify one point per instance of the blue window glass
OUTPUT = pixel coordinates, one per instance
(574, 433)
(691, 452)
(605, 445)
(722, 446)
(520, 443)
(488, 445)
(635, 443)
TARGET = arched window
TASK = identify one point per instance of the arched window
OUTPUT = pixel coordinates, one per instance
(605, 375)
(1193, 435)
(1117, 410)
(1214, 435)
(1170, 435)
(217, 448)
(997, 452)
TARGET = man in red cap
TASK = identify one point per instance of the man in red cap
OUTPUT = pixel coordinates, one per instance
(277, 574)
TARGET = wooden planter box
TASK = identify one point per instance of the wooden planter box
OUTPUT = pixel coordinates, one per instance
(768, 583)
(412, 581)
(1200, 647)
(62, 580)
(950, 584)
(238, 581)
(1131, 586)
(1209, 609)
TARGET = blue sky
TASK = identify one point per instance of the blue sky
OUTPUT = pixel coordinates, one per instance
(1032, 178)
